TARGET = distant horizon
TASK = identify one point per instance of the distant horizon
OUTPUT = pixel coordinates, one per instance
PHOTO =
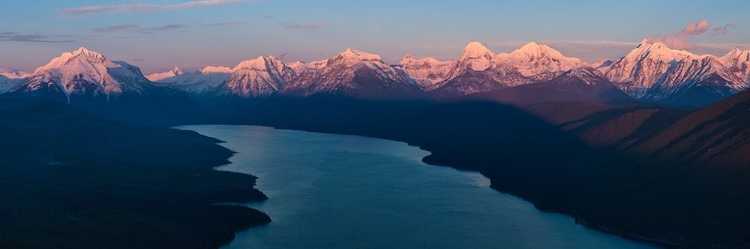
(191, 34)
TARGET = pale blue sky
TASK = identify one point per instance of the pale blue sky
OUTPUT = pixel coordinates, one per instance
(159, 34)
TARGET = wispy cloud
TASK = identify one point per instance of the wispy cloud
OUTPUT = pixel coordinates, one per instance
(722, 29)
(144, 7)
(116, 28)
(681, 40)
(137, 59)
(167, 27)
(281, 55)
(39, 38)
(306, 26)
(226, 24)
(133, 28)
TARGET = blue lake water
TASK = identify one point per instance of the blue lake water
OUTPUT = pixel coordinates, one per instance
(338, 191)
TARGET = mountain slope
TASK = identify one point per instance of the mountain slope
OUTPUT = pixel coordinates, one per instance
(427, 72)
(540, 62)
(261, 76)
(84, 74)
(165, 75)
(113, 89)
(656, 73)
(738, 62)
(205, 80)
(478, 70)
(352, 73)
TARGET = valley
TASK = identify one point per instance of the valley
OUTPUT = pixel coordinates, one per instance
(651, 146)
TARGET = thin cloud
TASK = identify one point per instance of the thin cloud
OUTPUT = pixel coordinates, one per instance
(167, 27)
(681, 40)
(307, 26)
(143, 7)
(137, 60)
(280, 56)
(116, 28)
(722, 29)
(38, 38)
(133, 28)
(226, 24)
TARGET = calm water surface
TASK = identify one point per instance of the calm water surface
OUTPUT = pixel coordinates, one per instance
(336, 191)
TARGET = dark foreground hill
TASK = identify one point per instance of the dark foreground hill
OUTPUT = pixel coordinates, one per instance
(72, 180)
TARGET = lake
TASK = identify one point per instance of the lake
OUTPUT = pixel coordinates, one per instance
(339, 191)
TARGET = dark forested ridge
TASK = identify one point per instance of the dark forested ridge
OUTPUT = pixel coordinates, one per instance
(73, 180)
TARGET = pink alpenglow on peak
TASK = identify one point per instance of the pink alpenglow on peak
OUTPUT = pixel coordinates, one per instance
(13, 73)
(477, 56)
(739, 63)
(213, 69)
(261, 76)
(353, 54)
(70, 57)
(426, 72)
(653, 71)
(540, 61)
(168, 74)
(85, 72)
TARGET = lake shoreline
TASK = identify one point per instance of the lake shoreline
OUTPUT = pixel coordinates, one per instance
(531, 199)
(492, 186)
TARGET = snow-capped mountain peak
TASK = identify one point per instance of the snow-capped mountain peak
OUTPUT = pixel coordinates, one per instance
(736, 56)
(168, 74)
(177, 71)
(540, 61)
(738, 62)
(215, 69)
(351, 54)
(534, 50)
(13, 73)
(258, 63)
(88, 56)
(261, 76)
(475, 50)
(477, 56)
(655, 72)
(84, 73)
(427, 72)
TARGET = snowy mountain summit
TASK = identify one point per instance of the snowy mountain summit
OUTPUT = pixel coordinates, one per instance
(261, 76)
(477, 56)
(540, 61)
(168, 74)
(654, 72)
(83, 73)
(352, 73)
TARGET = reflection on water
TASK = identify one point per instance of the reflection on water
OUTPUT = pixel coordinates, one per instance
(334, 191)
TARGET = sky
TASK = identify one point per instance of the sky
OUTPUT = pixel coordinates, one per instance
(157, 35)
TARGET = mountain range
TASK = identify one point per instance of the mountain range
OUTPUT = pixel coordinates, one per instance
(651, 72)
